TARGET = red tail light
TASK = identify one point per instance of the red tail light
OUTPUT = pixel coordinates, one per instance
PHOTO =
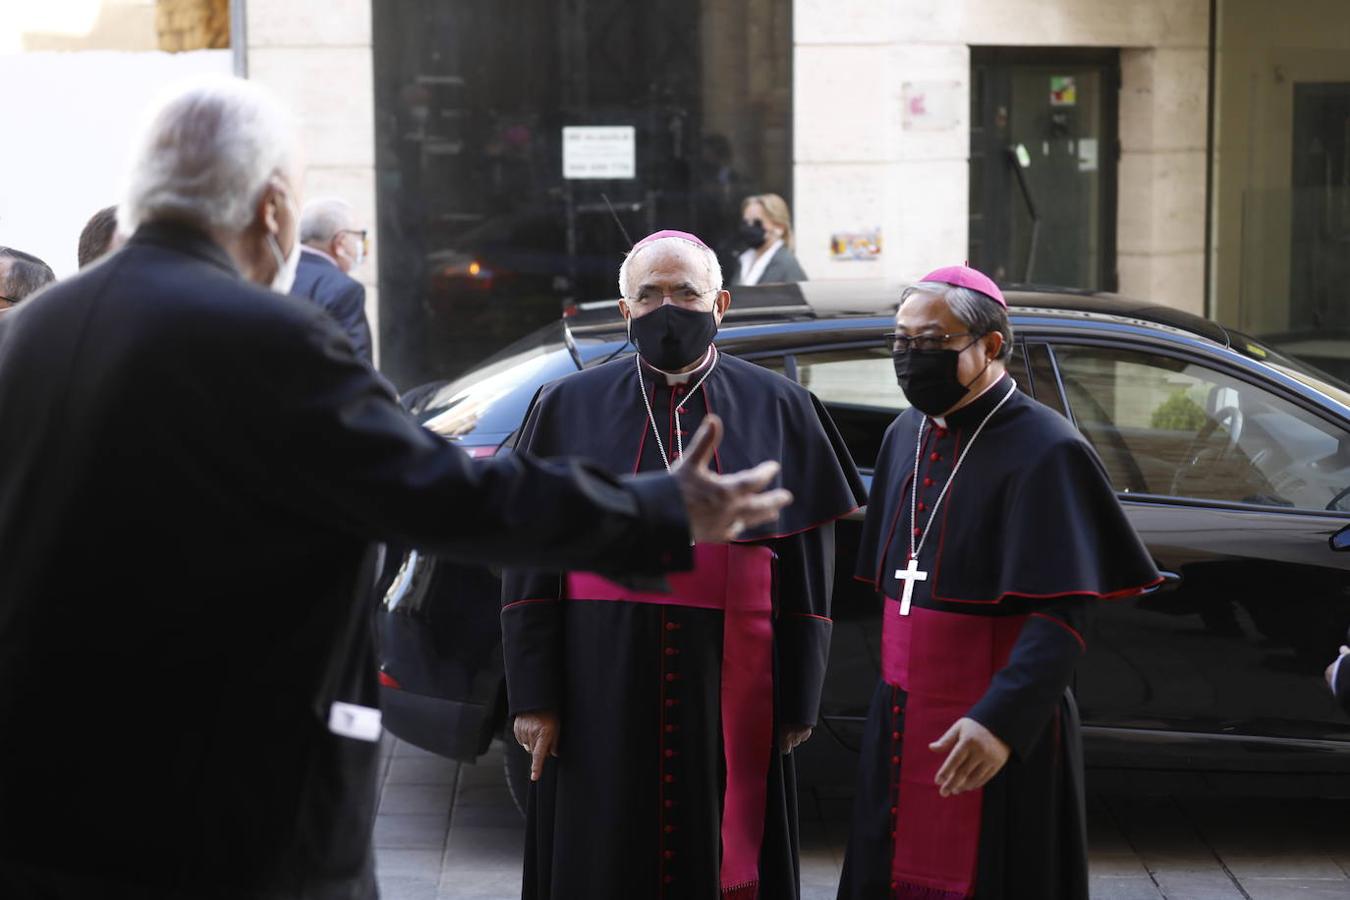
(389, 681)
(482, 451)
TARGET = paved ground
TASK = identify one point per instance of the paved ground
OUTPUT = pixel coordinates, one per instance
(448, 831)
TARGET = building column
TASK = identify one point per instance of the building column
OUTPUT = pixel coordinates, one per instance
(320, 62)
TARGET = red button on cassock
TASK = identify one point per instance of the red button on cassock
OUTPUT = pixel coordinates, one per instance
(895, 710)
(669, 854)
(670, 779)
(922, 506)
(892, 810)
(895, 760)
(671, 651)
(895, 735)
(670, 804)
(670, 626)
(670, 754)
(928, 482)
(935, 456)
(671, 676)
(670, 829)
(670, 729)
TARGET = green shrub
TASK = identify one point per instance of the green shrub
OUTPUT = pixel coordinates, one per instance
(1178, 413)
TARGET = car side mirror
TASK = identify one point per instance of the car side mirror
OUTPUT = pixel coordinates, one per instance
(1340, 541)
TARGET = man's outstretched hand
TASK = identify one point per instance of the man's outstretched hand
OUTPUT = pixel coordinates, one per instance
(722, 506)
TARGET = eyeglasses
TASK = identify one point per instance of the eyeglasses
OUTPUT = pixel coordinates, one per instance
(652, 296)
(361, 233)
(9, 300)
(903, 343)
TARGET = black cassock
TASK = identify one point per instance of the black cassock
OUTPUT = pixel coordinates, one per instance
(193, 469)
(1029, 537)
(668, 783)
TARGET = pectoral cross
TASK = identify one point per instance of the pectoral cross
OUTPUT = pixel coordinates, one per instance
(909, 575)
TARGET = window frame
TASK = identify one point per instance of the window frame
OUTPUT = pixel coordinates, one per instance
(1212, 362)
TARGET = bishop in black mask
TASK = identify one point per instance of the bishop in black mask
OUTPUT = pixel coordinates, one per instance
(992, 533)
(660, 722)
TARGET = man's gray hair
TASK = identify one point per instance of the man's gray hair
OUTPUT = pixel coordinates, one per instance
(323, 218)
(980, 314)
(206, 155)
(712, 268)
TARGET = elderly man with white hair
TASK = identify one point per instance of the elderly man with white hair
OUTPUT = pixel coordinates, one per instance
(331, 248)
(660, 722)
(194, 468)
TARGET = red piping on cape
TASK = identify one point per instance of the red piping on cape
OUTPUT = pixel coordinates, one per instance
(811, 616)
(1065, 625)
(532, 600)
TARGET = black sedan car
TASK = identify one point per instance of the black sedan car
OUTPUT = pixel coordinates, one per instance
(1231, 459)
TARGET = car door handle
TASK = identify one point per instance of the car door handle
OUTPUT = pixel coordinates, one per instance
(1169, 581)
(1340, 541)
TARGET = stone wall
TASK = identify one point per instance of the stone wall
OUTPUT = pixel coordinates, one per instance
(857, 166)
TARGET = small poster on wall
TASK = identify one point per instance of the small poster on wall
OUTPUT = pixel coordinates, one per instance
(856, 246)
(599, 151)
(1063, 90)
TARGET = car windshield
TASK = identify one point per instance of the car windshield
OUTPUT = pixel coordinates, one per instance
(490, 401)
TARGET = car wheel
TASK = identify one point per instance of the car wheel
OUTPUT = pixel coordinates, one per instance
(516, 765)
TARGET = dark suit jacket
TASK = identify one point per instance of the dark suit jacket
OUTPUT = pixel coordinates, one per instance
(191, 470)
(783, 268)
(338, 294)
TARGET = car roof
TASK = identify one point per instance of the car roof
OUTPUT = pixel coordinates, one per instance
(764, 304)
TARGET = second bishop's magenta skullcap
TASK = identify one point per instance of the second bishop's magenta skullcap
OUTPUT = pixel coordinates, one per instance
(966, 277)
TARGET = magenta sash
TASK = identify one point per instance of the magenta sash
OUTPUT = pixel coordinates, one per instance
(737, 579)
(945, 661)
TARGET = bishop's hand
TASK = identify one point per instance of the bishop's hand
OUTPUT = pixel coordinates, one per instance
(976, 756)
(720, 507)
(537, 733)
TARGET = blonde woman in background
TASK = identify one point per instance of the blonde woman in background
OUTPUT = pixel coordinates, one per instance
(766, 229)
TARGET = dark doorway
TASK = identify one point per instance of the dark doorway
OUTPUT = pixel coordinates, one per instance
(675, 110)
(1320, 253)
(1043, 161)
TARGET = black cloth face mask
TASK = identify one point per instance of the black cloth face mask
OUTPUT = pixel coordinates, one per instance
(753, 234)
(929, 380)
(672, 337)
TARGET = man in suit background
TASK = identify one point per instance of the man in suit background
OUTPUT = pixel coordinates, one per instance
(21, 275)
(331, 248)
(194, 469)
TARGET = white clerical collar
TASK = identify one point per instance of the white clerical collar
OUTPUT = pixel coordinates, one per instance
(941, 421)
(306, 248)
(674, 378)
(752, 268)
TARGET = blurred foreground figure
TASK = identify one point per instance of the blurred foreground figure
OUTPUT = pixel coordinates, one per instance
(194, 466)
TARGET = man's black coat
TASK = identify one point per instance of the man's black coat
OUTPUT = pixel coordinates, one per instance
(191, 471)
(338, 294)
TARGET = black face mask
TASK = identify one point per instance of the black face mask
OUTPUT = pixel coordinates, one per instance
(753, 234)
(929, 380)
(672, 337)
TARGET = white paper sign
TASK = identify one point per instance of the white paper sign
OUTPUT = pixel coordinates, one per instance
(599, 151)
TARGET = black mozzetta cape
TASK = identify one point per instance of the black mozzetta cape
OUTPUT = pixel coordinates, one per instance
(1031, 515)
(598, 415)
(637, 684)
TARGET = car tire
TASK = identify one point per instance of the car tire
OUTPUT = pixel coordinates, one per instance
(516, 765)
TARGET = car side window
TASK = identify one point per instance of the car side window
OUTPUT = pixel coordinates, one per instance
(857, 385)
(1168, 426)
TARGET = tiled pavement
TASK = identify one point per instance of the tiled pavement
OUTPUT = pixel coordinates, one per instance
(449, 831)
